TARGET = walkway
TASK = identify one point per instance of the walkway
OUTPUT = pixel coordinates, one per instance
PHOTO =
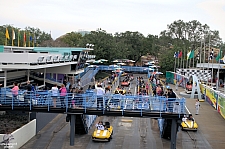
(211, 131)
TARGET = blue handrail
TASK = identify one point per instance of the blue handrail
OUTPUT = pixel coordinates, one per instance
(90, 100)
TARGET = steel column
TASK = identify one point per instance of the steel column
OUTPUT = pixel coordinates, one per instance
(5, 78)
(44, 75)
(72, 129)
(173, 134)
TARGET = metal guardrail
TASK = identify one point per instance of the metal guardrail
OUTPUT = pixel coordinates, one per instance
(90, 100)
(111, 68)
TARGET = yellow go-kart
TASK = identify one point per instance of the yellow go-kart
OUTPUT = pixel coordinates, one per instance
(189, 125)
(120, 91)
(103, 135)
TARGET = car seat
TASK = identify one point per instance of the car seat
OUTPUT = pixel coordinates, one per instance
(107, 124)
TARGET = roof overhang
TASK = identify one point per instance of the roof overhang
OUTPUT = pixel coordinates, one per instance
(211, 65)
(27, 66)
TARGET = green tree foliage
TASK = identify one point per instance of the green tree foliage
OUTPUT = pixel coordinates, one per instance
(179, 36)
(72, 39)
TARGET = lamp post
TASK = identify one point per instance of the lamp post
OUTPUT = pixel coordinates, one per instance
(90, 46)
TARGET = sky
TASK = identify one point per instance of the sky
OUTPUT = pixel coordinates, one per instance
(59, 17)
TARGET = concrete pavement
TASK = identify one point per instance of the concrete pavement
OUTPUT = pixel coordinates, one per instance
(211, 123)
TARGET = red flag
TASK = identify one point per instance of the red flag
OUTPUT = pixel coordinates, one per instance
(24, 37)
(180, 54)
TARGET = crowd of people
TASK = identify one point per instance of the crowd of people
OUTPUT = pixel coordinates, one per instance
(73, 94)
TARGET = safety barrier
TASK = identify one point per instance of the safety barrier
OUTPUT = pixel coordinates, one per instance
(92, 101)
(215, 98)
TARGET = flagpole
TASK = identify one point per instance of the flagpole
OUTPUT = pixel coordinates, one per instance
(193, 59)
(18, 38)
(212, 73)
(178, 59)
(218, 72)
(187, 61)
(6, 41)
(200, 55)
(33, 40)
(12, 35)
(183, 58)
(175, 65)
(208, 58)
(29, 40)
(204, 56)
(24, 39)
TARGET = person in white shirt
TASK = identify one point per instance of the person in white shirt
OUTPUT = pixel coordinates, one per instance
(184, 118)
(55, 92)
(100, 92)
(197, 105)
(176, 107)
(100, 126)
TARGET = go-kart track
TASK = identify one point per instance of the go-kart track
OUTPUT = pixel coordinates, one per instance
(136, 133)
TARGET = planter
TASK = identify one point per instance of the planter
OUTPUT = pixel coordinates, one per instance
(21, 135)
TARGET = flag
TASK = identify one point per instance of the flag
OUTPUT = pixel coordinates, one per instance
(34, 38)
(188, 54)
(218, 56)
(192, 54)
(211, 55)
(24, 38)
(13, 35)
(180, 54)
(6, 34)
(175, 54)
(222, 60)
(18, 44)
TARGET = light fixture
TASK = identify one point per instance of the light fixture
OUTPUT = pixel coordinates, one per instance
(55, 58)
(48, 58)
(71, 57)
(61, 58)
(66, 57)
(40, 59)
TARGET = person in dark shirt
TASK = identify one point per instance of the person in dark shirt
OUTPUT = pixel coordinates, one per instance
(171, 98)
(171, 94)
(191, 118)
(29, 86)
(27, 96)
(0, 92)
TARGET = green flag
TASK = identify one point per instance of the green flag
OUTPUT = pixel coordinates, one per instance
(191, 54)
(188, 55)
(219, 56)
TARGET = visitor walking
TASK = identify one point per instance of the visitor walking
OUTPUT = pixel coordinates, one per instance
(63, 92)
(100, 92)
(54, 91)
(15, 91)
(197, 105)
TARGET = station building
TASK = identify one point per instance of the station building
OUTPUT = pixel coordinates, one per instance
(52, 63)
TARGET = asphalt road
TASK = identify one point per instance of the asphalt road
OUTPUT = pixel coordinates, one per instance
(129, 133)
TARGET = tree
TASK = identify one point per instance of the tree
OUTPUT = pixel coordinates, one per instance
(72, 39)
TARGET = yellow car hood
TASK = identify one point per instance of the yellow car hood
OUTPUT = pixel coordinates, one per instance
(189, 124)
(102, 134)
